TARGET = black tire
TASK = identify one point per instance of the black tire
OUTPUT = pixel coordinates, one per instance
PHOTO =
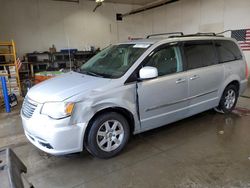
(223, 107)
(109, 148)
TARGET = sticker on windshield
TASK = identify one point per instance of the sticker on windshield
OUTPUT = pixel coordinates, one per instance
(141, 46)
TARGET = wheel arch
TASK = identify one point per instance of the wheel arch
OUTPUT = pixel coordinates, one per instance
(233, 79)
(233, 82)
(236, 83)
(122, 111)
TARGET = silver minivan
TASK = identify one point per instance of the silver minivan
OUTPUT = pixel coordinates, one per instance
(133, 87)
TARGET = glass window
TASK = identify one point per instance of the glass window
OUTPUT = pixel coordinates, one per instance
(199, 54)
(114, 61)
(227, 51)
(166, 60)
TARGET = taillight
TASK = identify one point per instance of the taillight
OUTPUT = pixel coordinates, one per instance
(247, 71)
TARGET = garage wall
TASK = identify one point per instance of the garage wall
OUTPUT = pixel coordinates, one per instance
(37, 24)
(191, 16)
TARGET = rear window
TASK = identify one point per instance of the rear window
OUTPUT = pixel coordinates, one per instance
(199, 54)
(227, 51)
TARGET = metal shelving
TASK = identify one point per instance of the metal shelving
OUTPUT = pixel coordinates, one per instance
(10, 54)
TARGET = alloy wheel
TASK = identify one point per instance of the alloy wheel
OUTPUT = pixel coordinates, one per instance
(230, 99)
(110, 135)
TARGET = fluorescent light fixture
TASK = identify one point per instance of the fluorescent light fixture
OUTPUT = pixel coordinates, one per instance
(99, 1)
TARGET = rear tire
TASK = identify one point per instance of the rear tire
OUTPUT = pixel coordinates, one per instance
(228, 99)
(108, 135)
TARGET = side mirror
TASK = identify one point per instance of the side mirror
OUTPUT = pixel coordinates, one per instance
(148, 72)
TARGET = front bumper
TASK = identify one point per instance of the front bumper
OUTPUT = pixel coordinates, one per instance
(56, 137)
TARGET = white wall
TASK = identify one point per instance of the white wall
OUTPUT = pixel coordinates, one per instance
(192, 16)
(37, 24)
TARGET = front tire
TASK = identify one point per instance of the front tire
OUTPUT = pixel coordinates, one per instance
(228, 100)
(108, 135)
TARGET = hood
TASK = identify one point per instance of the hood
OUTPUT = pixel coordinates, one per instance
(65, 86)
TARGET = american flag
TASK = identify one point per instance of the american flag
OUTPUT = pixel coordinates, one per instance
(243, 37)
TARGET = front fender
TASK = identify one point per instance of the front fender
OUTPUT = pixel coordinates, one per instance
(122, 97)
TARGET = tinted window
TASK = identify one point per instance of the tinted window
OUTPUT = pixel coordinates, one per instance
(199, 54)
(167, 60)
(227, 51)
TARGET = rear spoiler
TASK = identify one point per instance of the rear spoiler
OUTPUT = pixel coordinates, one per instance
(11, 169)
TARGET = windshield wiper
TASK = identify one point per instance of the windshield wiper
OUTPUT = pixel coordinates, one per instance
(94, 74)
(91, 73)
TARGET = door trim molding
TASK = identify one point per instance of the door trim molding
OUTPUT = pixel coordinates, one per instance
(182, 100)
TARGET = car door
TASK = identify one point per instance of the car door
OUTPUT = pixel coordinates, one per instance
(163, 100)
(205, 75)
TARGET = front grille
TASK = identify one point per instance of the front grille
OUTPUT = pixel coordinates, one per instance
(28, 108)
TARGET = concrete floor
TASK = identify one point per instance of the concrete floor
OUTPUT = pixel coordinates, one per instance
(207, 150)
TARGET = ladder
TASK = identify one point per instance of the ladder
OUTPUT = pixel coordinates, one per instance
(8, 50)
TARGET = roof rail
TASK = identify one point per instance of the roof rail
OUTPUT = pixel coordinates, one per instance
(160, 34)
(205, 34)
(224, 32)
(198, 34)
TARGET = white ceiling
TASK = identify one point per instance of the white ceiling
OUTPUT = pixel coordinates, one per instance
(136, 2)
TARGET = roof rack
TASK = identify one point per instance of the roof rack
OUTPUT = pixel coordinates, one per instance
(180, 34)
(160, 34)
(205, 34)
(198, 34)
(224, 32)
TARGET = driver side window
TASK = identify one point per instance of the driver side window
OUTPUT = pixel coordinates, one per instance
(167, 60)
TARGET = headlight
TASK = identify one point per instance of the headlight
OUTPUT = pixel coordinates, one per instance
(57, 110)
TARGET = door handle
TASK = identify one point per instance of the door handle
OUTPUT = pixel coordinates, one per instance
(194, 77)
(180, 80)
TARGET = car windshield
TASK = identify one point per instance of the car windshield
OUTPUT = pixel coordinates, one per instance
(114, 61)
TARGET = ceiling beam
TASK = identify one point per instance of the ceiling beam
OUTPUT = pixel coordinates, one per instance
(147, 7)
(71, 1)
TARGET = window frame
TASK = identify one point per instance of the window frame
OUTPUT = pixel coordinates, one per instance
(134, 77)
(205, 40)
(217, 51)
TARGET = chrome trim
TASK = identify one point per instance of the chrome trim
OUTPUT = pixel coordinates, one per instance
(181, 80)
(183, 100)
(28, 107)
(194, 77)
